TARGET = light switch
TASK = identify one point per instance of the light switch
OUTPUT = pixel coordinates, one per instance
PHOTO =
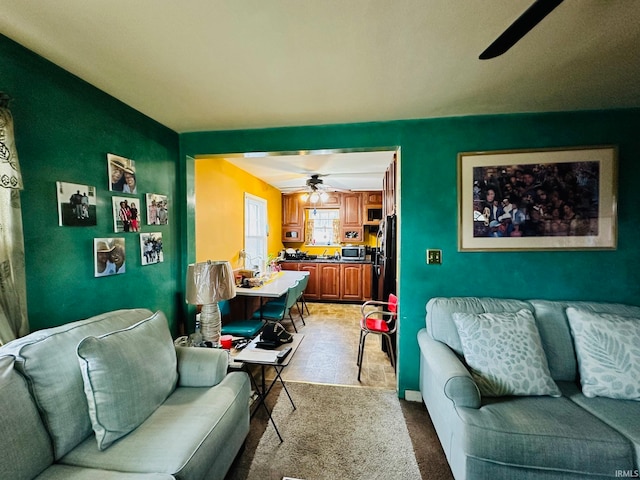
(434, 256)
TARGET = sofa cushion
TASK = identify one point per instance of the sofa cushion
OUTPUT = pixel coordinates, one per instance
(505, 353)
(622, 415)
(544, 435)
(25, 448)
(47, 359)
(439, 321)
(556, 335)
(67, 472)
(195, 433)
(608, 356)
(127, 375)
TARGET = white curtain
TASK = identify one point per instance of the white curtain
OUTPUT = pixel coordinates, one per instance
(13, 288)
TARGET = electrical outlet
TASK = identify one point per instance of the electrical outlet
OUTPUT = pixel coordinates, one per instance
(434, 256)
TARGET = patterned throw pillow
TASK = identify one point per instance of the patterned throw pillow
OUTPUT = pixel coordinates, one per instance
(608, 356)
(505, 354)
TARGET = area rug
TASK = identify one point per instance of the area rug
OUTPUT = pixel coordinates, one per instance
(336, 432)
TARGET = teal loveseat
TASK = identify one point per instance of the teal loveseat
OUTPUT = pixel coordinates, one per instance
(110, 397)
(559, 431)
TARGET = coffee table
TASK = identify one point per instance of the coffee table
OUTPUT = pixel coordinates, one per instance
(252, 355)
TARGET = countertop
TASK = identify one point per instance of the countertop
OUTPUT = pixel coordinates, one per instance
(327, 260)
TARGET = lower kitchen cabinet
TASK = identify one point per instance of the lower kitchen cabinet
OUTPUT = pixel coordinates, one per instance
(312, 292)
(335, 281)
(329, 281)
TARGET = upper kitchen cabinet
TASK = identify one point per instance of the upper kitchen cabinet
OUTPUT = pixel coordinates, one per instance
(292, 218)
(389, 190)
(372, 208)
(351, 218)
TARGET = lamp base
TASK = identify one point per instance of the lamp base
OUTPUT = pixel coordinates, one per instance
(210, 323)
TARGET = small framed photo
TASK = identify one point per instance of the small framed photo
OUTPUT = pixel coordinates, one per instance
(157, 209)
(122, 174)
(76, 205)
(151, 248)
(126, 214)
(109, 256)
(549, 199)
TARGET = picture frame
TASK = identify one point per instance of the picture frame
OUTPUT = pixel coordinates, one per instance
(109, 257)
(126, 214)
(122, 174)
(151, 251)
(157, 209)
(76, 205)
(542, 199)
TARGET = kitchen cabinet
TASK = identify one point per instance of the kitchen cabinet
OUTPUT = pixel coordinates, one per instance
(351, 226)
(329, 278)
(351, 280)
(389, 190)
(292, 218)
(356, 281)
(367, 280)
(332, 200)
(311, 292)
(372, 198)
(335, 281)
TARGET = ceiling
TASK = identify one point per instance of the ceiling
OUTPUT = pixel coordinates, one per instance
(203, 65)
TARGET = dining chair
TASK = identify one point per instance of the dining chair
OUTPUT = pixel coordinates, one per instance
(276, 311)
(246, 328)
(301, 300)
(375, 319)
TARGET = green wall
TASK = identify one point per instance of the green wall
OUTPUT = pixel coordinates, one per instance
(64, 129)
(428, 202)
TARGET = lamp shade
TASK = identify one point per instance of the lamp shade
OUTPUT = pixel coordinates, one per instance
(209, 282)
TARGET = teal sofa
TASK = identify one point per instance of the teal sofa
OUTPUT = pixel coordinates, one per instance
(110, 397)
(562, 435)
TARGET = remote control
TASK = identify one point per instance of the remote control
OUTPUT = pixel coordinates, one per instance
(283, 354)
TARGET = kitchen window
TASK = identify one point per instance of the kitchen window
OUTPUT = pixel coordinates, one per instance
(255, 232)
(323, 226)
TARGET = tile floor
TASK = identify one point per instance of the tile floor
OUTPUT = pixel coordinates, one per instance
(329, 349)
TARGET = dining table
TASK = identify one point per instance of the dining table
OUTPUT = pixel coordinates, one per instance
(274, 285)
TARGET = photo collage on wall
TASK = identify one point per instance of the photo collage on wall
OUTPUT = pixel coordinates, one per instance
(77, 206)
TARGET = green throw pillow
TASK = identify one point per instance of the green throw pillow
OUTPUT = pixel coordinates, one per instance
(505, 353)
(127, 375)
(608, 356)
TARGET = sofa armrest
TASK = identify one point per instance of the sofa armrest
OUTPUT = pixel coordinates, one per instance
(201, 367)
(448, 372)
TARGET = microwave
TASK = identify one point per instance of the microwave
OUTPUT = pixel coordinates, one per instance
(353, 253)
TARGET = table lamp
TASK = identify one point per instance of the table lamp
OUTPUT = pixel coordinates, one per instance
(208, 283)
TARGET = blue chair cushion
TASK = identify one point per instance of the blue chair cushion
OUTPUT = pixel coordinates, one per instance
(243, 328)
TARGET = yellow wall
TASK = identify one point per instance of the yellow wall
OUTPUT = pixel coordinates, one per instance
(219, 190)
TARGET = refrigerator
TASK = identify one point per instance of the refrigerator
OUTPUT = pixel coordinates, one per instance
(385, 259)
(385, 266)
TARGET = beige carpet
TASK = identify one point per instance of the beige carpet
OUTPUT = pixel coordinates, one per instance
(337, 432)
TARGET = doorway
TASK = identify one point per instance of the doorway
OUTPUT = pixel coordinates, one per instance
(333, 329)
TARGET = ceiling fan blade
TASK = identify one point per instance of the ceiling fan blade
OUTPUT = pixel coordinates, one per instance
(518, 29)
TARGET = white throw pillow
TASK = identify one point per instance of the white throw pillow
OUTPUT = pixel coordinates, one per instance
(607, 347)
(505, 353)
(127, 375)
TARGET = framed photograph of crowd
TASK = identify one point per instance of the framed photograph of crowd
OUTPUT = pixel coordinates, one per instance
(76, 205)
(548, 199)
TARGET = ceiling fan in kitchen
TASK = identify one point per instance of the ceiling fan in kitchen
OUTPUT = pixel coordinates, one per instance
(518, 29)
(315, 190)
